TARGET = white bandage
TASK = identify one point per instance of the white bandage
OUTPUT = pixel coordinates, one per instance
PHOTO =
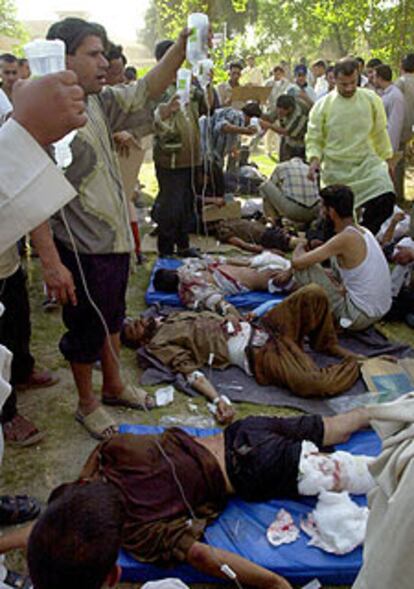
(191, 378)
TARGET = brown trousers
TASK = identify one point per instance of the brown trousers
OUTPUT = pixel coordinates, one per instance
(282, 361)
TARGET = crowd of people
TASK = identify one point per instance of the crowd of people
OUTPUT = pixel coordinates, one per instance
(325, 230)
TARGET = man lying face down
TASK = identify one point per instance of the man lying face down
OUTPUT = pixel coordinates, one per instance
(155, 495)
(271, 351)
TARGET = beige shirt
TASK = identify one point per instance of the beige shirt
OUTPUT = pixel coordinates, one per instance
(9, 262)
(32, 188)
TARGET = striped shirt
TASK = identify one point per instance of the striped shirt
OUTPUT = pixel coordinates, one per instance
(215, 143)
(292, 179)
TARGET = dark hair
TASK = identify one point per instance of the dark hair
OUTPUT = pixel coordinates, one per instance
(22, 61)
(166, 280)
(76, 541)
(8, 58)
(346, 67)
(286, 102)
(252, 109)
(319, 63)
(279, 68)
(130, 73)
(330, 69)
(384, 72)
(300, 69)
(236, 64)
(73, 31)
(360, 60)
(115, 52)
(373, 62)
(161, 48)
(407, 63)
(340, 198)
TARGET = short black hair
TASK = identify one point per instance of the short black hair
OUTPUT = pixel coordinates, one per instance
(161, 48)
(319, 63)
(115, 52)
(252, 109)
(8, 58)
(384, 72)
(330, 69)
(279, 68)
(73, 31)
(22, 61)
(76, 541)
(286, 102)
(340, 198)
(346, 67)
(407, 63)
(166, 280)
(236, 64)
(360, 60)
(373, 62)
(130, 73)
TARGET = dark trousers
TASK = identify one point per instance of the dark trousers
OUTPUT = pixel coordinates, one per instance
(377, 210)
(15, 332)
(174, 207)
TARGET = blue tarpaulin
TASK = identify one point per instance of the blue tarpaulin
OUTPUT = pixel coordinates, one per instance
(242, 526)
(247, 300)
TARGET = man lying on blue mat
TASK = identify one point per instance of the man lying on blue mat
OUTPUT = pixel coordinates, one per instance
(173, 485)
(271, 351)
(204, 283)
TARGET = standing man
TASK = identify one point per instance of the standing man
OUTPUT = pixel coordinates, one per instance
(9, 73)
(225, 89)
(252, 75)
(394, 103)
(93, 232)
(347, 140)
(321, 83)
(406, 84)
(280, 85)
(302, 88)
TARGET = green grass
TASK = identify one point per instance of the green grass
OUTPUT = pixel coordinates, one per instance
(59, 458)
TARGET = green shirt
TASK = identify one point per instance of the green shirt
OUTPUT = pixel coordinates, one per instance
(98, 216)
(350, 138)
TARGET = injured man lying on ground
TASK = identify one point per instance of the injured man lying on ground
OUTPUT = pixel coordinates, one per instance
(270, 349)
(204, 283)
(258, 458)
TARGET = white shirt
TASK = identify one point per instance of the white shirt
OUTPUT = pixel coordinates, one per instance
(32, 188)
(5, 104)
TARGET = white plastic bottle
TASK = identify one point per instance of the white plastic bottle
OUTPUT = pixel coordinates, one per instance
(204, 72)
(197, 42)
(184, 86)
(48, 57)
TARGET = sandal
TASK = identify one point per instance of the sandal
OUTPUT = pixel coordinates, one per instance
(20, 432)
(38, 380)
(131, 397)
(99, 424)
(17, 509)
(17, 581)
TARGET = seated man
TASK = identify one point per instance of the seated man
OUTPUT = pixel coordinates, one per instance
(258, 458)
(360, 294)
(204, 283)
(272, 351)
(289, 192)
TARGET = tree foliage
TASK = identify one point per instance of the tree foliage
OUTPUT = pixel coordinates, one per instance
(9, 25)
(291, 28)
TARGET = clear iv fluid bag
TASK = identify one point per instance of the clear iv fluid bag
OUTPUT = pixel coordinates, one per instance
(197, 42)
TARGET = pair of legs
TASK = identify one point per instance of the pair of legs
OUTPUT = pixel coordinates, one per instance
(282, 360)
(87, 341)
(173, 208)
(15, 333)
(275, 204)
(342, 306)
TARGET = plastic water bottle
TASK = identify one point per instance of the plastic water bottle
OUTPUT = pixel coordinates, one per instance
(197, 42)
(184, 86)
(48, 57)
(203, 72)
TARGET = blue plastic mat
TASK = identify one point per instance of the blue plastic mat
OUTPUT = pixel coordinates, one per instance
(242, 527)
(248, 300)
